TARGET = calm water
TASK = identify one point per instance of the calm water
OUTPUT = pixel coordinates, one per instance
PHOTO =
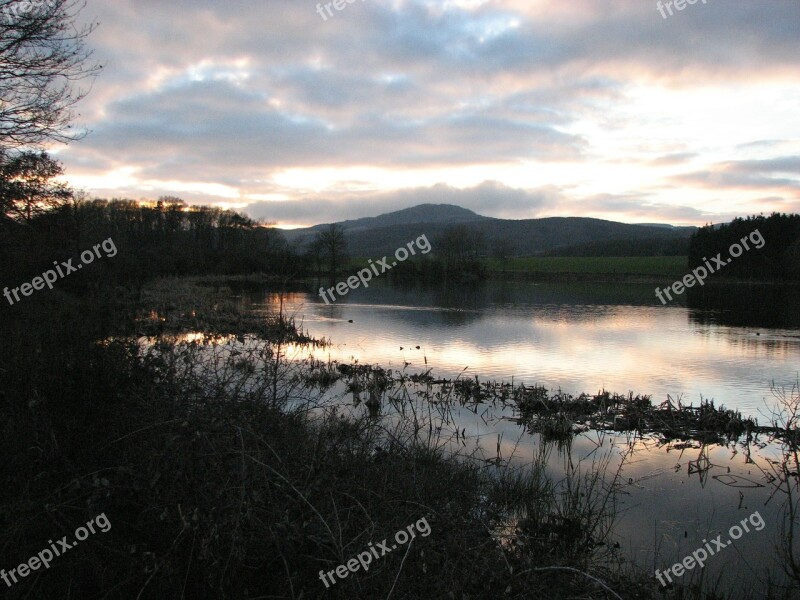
(727, 343)
(577, 337)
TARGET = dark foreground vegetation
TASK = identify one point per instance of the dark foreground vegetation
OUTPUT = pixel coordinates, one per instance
(222, 478)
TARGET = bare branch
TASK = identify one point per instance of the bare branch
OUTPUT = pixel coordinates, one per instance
(43, 56)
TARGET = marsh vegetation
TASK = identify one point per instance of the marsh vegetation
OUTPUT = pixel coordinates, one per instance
(233, 465)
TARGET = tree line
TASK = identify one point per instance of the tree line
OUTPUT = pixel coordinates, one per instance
(42, 219)
(457, 256)
(162, 238)
(777, 259)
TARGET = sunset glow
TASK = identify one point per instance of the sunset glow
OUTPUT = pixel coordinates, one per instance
(561, 110)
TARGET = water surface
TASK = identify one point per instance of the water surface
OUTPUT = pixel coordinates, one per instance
(727, 343)
(576, 337)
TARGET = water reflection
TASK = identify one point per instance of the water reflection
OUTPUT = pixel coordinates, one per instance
(727, 343)
(746, 305)
(577, 337)
(671, 493)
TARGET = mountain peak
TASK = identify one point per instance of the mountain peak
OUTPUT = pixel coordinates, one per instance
(422, 213)
(381, 235)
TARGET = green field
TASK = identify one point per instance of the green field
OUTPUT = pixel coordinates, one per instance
(667, 266)
(593, 267)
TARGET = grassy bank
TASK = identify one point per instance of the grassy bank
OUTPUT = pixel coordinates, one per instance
(543, 268)
(591, 267)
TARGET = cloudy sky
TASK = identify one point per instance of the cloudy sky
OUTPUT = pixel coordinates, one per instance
(512, 108)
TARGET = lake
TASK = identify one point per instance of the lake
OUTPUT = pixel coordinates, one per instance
(577, 337)
(726, 342)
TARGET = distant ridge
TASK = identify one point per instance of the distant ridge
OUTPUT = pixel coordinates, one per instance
(381, 235)
(662, 225)
(422, 213)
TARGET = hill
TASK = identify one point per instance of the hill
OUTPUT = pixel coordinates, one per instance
(381, 235)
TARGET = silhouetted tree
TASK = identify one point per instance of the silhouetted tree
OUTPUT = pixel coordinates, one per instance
(333, 245)
(27, 186)
(153, 239)
(776, 259)
(503, 248)
(460, 246)
(459, 249)
(314, 254)
(792, 260)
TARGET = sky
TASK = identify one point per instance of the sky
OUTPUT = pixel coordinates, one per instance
(515, 109)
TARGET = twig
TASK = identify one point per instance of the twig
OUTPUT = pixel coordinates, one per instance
(137, 431)
(401, 569)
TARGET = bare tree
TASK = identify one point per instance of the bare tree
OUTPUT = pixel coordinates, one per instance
(314, 254)
(333, 245)
(460, 245)
(42, 56)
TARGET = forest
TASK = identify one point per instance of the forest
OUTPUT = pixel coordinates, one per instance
(778, 260)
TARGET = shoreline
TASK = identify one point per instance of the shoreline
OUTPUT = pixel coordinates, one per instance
(572, 277)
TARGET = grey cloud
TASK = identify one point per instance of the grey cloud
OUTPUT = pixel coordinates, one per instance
(639, 206)
(674, 158)
(327, 89)
(197, 129)
(757, 174)
(763, 144)
(784, 164)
